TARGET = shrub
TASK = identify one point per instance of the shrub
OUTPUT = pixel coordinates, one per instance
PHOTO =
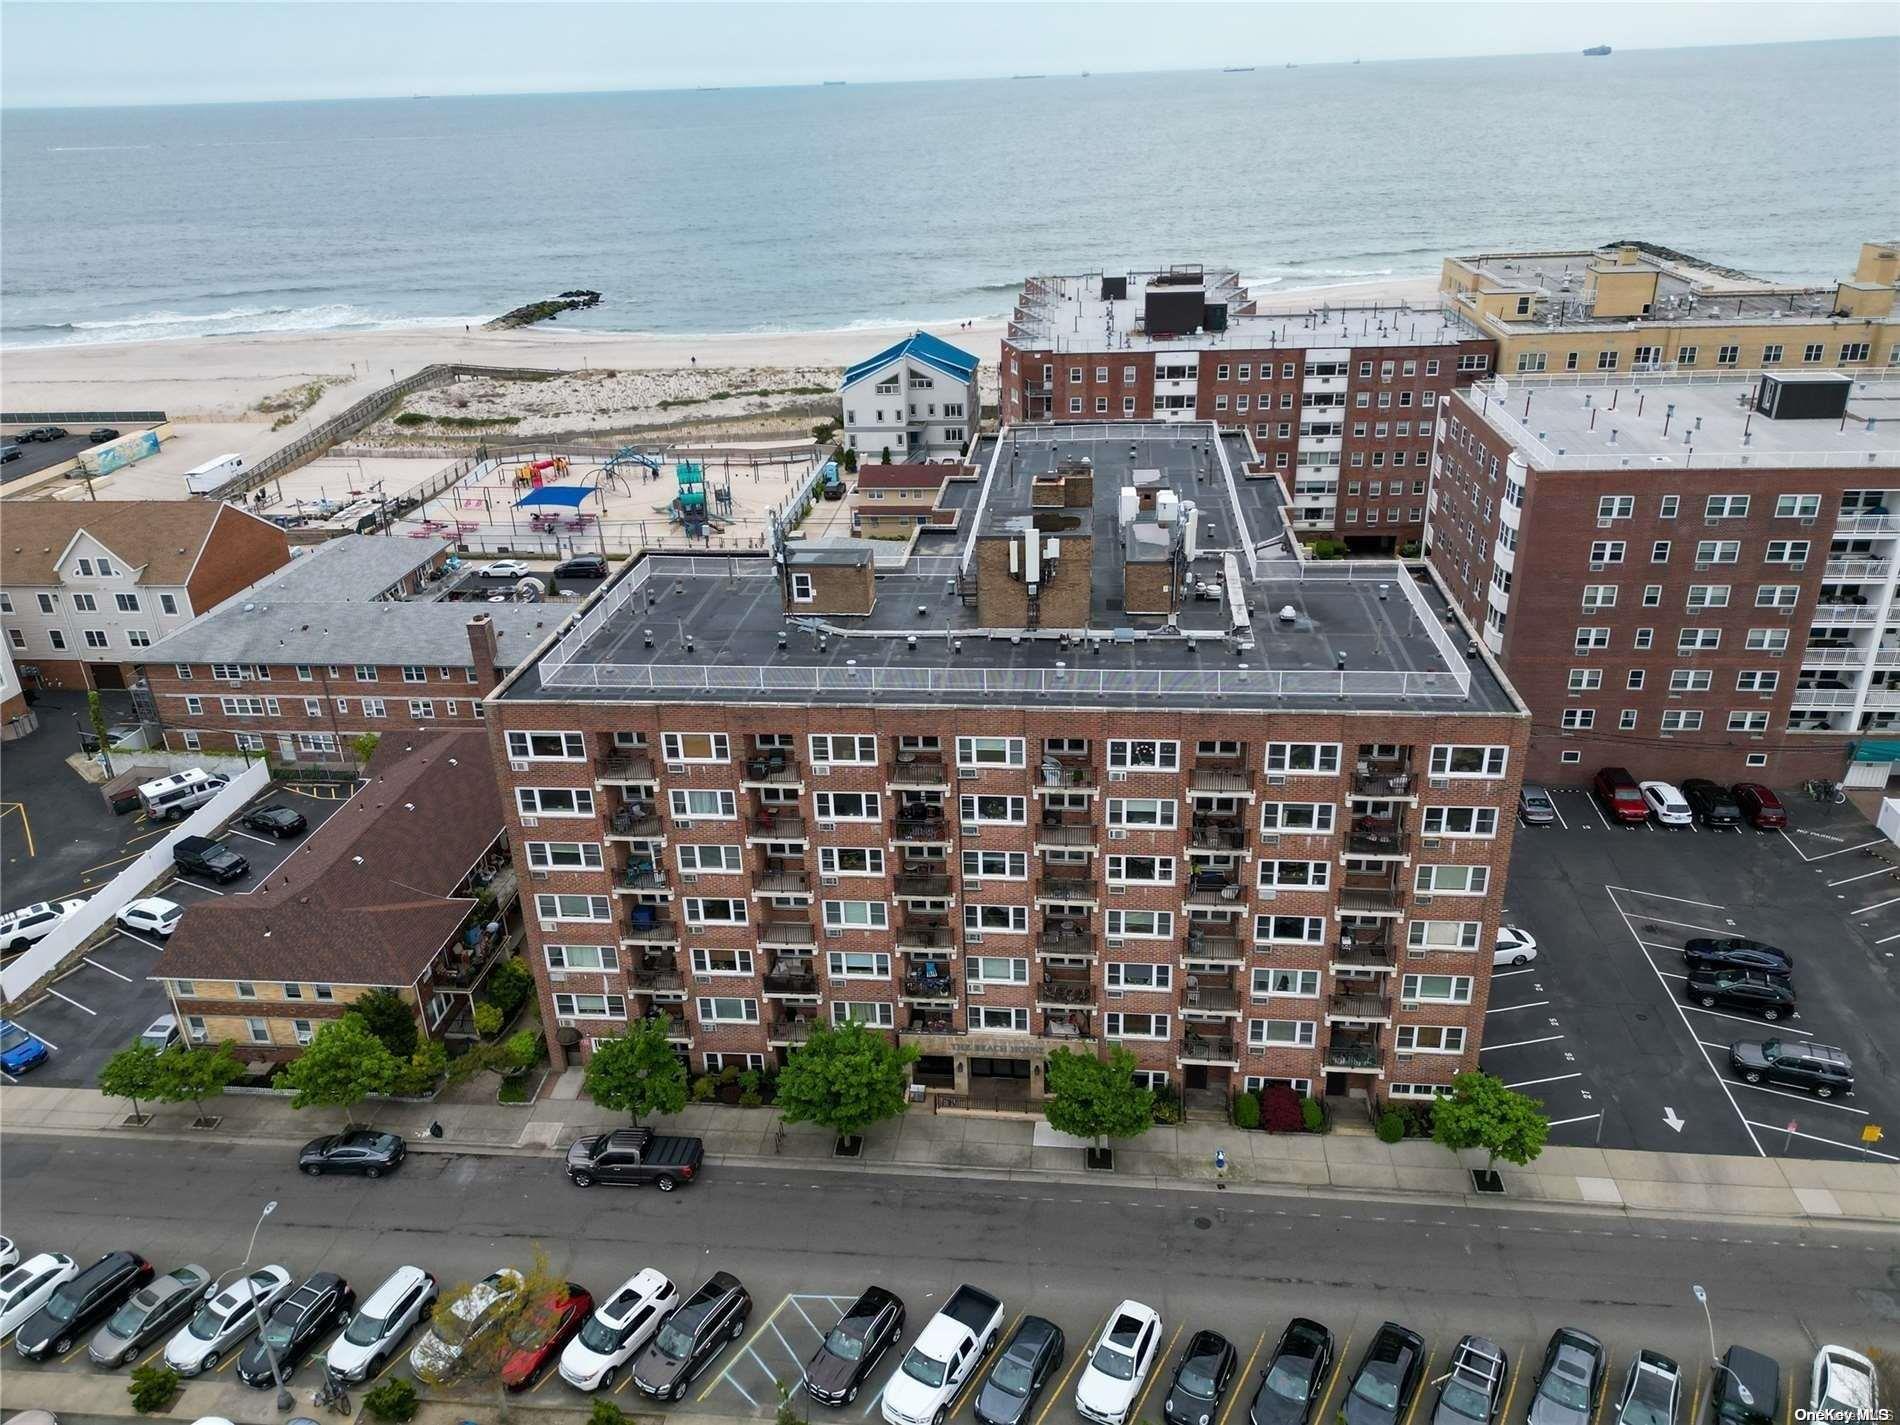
(412, 418)
(487, 1020)
(425, 1067)
(1246, 1110)
(1313, 1115)
(750, 1098)
(153, 1388)
(394, 1399)
(729, 1074)
(704, 1088)
(521, 1051)
(1391, 1126)
(1168, 1105)
(1280, 1109)
(605, 1412)
(1327, 549)
(509, 984)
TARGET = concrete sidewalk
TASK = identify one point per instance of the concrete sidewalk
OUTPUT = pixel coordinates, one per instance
(1680, 1184)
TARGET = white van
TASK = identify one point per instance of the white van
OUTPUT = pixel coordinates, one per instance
(169, 798)
(214, 473)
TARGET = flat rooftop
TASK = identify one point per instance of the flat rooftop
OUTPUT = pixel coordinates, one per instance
(1070, 314)
(1631, 423)
(1362, 634)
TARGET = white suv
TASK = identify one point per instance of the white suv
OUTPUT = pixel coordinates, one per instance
(619, 1327)
(385, 1317)
(20, 928)
(1119, 1363)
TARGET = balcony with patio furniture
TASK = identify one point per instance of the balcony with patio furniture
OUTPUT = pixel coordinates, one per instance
(1210, 886)
(782, 878)
(1223, 776)
(1211, 993)
(937, 1021)
(1060, 989)
(1208, 945)
(920, 885)
(1217, 833)
(641, 872)
(1353, 1002)
(634, 817)
(1384, 775)
(786, 934)
(1373, 893)
(774, 826)
(1066, 772)
(677, 1031)
(1065, 831)
(645, 926)
(770, 767)
(1378, 836)
(926, 933)
(919, 771)
(791, 977)
(625, 765)
(788, 1029)
(1068, 1024)
(1068, 882)
(1209, 1049)
(930, 983)
(1366, 947)
(1355, 1053)
(920, 825)
(658, 976)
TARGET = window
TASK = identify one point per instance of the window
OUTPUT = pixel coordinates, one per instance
(421, 708)
(1689, 640)
(365, 673)
(1006, 919)
(1854, 350)
(1811, 352)
(1686, 355)
(715, 1009)
(258, 1029)
(1615, 507)
(1652, 596)
(714, 910)
(1689, 680)
(1142, 811)
(1777, 596)
(1598, 596)
(1717, 551)
(692, 803)
(1458, 761)
(1141, 870)
(857, 915)
(1577, 719)
(990, 751)
(95, 638)
(803, 591)
(372, 707)
(1791, 507)
(978, 810)
(1659, 552)
(998, 970)
(1436, 989)
(1625, 721)
(603, 958)
(849, 860)
(564, 856)
(554, 801)
(1757, 681)
(1134, 1026)
(1141, 924)
(1680, 720)
(1281, 1033)
(711, 860)
(1443, 934)
(695, 747)
(996, 865)
(859, 964)
(546, 747)
(1707, 596)
(559, 907)
(1591, 637)
(1009, 1021)
(246, 990)
(1431, 1039)
(1144, 755)
(1298, 818)
(1668, 506)
(1767, 640)
(1321, 758)
(1607, 551)
(1748, 721)
(847, 806)
(1728, 354)
(579, 1006)
(847, 749)
(1287, 930)
(1461, 821)
(1786, 551)
(1294, 875)
(193, 706)
(1119, 975)
(1607, 360)
(168, 603)
(1303, 983)
(1453, 880)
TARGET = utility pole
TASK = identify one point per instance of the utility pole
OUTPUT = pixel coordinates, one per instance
(285, 1401)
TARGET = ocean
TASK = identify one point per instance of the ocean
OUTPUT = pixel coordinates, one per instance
(862, 205)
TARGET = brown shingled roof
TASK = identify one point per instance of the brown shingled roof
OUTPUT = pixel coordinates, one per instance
(907, 477)
(162, 537)
(366, 899)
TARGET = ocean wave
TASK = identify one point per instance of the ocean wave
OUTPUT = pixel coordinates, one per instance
(232, 321)
(101, 148)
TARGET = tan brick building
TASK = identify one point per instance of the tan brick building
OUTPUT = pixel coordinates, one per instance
(1257, 834)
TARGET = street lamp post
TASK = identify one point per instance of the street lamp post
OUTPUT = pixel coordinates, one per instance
(1702, 1299)
(285, 1401)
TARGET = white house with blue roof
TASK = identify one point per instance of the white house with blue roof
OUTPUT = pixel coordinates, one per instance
(917, 398)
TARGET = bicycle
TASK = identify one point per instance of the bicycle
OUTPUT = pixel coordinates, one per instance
(1823, 790)
(333, 1394)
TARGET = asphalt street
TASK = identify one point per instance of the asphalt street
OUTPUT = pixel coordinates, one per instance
(802, 1241)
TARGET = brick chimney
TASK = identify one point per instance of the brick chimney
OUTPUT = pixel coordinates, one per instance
(485, 652)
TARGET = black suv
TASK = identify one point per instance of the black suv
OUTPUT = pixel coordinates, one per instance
(1711, 802)
(201, 856)
(44, 433)
(1736, 952)
(1769, 996)
(1820, 1068)
(582, 566)
(294, 1327)
(691, 1336)
(80, 1305)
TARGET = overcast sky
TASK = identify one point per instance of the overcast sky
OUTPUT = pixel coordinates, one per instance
(62, 52)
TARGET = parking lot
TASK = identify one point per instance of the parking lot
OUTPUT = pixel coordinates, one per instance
(38, 455)
(1597, 1026)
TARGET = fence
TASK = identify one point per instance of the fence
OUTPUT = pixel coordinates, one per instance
(79, 418)
(49, 954)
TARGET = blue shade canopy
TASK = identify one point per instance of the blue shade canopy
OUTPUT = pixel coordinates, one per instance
(567, 496)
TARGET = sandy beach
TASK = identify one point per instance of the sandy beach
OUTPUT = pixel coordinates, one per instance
(221, 379)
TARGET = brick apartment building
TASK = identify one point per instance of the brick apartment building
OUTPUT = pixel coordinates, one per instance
(86, 587)
(344, 640)
(1683, 577)
(1096, 773)
(1341, 403)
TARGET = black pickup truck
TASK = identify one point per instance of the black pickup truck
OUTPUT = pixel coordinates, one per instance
(628, 1157)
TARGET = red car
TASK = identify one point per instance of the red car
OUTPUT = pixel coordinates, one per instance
(535, 1341)
(1761, 806)
(1620, 795)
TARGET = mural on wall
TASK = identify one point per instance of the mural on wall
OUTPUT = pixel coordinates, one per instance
(120, 453)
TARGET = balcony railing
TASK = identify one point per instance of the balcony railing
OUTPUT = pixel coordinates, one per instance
(1355, 1004)
(1377, 836)
(1207, 888)
(940, 985)
(626, 766)
(919, 771)
(791, 977)
(1209, 833)
(925, 933)
(1063, 834)
(1067, 1024)
(1228, 778)
(1058, 880)
(785, 1030)
(636, 820)
(774, 768)
(656, 978)
(784, 883)
(786, 932)
(1066, 937)
(777, 828)
(1210, 998)
(1355, 1054)
(921, 884)
(1366, 955)
(924, 829)
(651, 930)
(675, 1026)
(932, 1021)
(641, 874)
(1215, 945)
(1383, 779)
(1369, 893)
(461, 966)
(1065, 989)
(1208, 1049)
(1073, 773)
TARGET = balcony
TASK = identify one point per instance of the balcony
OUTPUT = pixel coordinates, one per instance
(634, 819)
(649, 929)
(462, 966)
(677, 1031)
(783, 883)
(926, 932)
(1065, 935)
(920, 885)
(1364, 894)
(771, 767)
(1384, 779)
(1356, 1054)
(1218, 833)
(918, 771)
(1210, 994)
(1367, 953)
(775, 827)
(1064, 836)
(791, 977)
(786, 933)
(1358, 1007)
(625, 765)
(1067, 774)
(1872, 570)
(1068, 881)
(933, 1021)
(1221, 778)
(1213, 888)
(1214, 1049)
(934, 986)
(1068, 1024)
(787, 1030)
(1378, 836)
(640, 873)
(1063, 990)
(914, 830)
(658, 978)
(1215, 946)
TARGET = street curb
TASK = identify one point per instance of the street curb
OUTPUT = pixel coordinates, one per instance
(1050, 1177)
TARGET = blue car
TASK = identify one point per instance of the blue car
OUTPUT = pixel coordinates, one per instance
(19, 1050)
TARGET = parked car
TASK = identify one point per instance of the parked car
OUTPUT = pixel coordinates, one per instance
(1747, 1390)
(942, 1358)
(630, 1156)
(691, 1336)
(21, 928)
(582, 566)
(1570, 1381)
(20, 1049)
(1621, 797)
(295, 1326)
(505, 569)
(1760, 805)
(1295, 1375)
(9, 1253)
(1711, 803)
(851, 1349)
(9, 453)
(1388, 1376)
(44, 433)
(1118, 1364)
(161, 1033)
(1844, 1386)
(81, 1303)
(1736, 952)
(278, 821)
(150, 915)
(1024, 1369)
(1821, 1069)
(406, 1296)
(1472, 1388)
(225, 1319)
(1514, 947)
(619, 1328)
(201, 856)
(175, 797)
(366, 1151)
(541, 1331)
(437, 1357)
(1769, 996)
(24, 1289)
(99, 435)
(1652, 1391)
(1667, 804)
(1201, 1378)
(1534, 804)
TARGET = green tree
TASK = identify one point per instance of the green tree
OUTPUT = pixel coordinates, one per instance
(509, 983)
(845, 1079)
(424, 1069)
(96, 710)
(341, 1066)
(1096, 1098)
(364, 746)
(885, 459)
(605, 1412)
(194, 1073)
(388, 1016)
(637, 1073)
(153, 1388)
(1480, 1112)
(850, 460)
(487, 1020)
(395, 1399)
(132, 1073)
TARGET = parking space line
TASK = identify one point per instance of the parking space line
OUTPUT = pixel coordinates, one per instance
(149, 944)
(1686, 925)
(1500, 974)
(1780, 1028)
(1659, 896)
(796, 1360)
(1412, 1413)
(1246, 1374)
(107, 968)
(1803, 1097)
(1609, 1355)
(6, 808)
(71, 1001)
(1559, 814)
(726, 1370)
(1560, 1122)
(1155, 1375)
(1553, 1079)
(1860, 846)
(1864, 875)
(1885, 938)
(742, 1390)
(1816, 1138)
(1062, 1387)
(260, 840)
(1519, 1044)
(197, 887)
(976, 1369)
(1510, 1392)
(1599, 811)
(108, 865)
(1891, 900)
(1528, 1004)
